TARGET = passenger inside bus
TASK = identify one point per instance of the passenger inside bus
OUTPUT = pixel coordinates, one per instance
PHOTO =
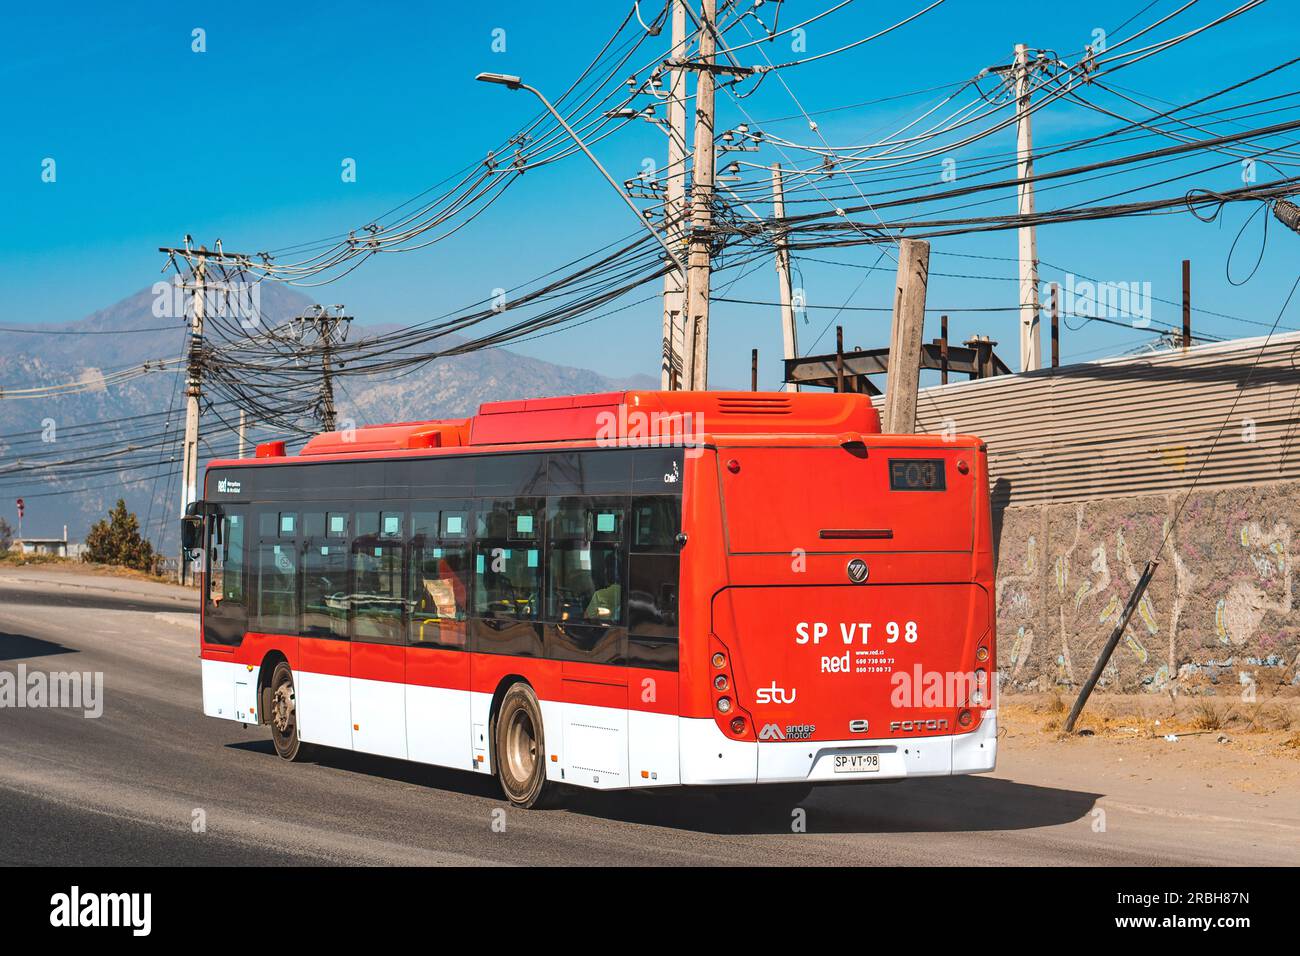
(509, 582)
(440, 596)
(588, 584)
(606, 604)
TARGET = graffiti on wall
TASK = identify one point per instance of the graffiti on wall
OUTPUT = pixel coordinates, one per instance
(1263, 586)
(1221, 603)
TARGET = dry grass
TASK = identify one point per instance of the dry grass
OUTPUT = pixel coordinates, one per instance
(1142, 716)
(17, 560)
(1208, 714)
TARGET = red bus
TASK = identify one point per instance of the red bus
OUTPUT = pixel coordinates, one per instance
(629, 590)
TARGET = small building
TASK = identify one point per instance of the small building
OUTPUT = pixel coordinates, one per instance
(55, 546)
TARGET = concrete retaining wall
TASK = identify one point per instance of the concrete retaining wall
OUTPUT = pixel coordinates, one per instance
(1218, 617)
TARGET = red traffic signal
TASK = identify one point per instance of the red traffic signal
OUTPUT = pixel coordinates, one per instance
(20, 506)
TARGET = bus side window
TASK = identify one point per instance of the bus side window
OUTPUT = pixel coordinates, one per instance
(226, 560)
(226, 619)
(277, 588)
(324, 574)
(439, 576)
(232, 552)
(276, 570)
(586, 561)
(508, 560)
(378, 611)
(653, 582)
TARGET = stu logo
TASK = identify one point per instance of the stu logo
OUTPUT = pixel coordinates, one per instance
(775, 695)
(75, 908)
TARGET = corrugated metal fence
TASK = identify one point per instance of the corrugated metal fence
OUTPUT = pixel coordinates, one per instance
(1139, 425)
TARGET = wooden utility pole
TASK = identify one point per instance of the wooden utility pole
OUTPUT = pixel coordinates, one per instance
(839, 358)
(1030, 350)
(905, 337)
(789, 333)
(699, 264)
(753, 370)
(1112, 642)
(1056, 325)
(943, 350)
(1187, 303)
(675, 209)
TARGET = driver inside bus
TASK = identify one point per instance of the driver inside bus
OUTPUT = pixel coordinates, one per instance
(606, 603)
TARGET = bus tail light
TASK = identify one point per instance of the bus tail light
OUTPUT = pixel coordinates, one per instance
(964, 718)
(983, 677)
(732, 719)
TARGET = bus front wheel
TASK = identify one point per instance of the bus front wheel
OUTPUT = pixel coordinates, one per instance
(521, 749)
(283, 715)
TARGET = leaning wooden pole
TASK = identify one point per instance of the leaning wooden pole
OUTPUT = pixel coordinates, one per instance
(1133, 599)
(904, 368)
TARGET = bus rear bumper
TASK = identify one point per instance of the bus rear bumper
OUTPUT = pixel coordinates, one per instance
(710, 757)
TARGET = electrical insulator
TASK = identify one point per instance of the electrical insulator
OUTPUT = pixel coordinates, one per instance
(1287, 213)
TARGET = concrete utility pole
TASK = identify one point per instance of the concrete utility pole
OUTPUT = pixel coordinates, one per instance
(675, 208)
(1030, 351)
(789, 333)
(197, 260)
(193, 392)
(699, 264)
(326, 324)
(905, 337)
(243, 431)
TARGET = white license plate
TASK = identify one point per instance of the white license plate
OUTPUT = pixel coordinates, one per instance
(857, 763)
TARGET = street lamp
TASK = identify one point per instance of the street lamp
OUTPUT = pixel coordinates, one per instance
(515, 83)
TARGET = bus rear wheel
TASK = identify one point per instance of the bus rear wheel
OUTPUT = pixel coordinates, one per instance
(283, 715)
(520, 746)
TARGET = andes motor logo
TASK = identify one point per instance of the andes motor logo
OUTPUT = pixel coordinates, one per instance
(791, 732)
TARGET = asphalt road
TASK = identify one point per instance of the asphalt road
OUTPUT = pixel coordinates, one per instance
(127, 787)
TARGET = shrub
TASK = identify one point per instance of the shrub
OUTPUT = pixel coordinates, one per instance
(117, 540)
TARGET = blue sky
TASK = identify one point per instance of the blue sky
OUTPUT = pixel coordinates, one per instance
(245, 141)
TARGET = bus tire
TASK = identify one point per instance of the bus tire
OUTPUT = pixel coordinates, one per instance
(520, 745)
(283, 715)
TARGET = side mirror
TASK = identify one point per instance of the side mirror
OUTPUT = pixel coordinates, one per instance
(191, 532)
